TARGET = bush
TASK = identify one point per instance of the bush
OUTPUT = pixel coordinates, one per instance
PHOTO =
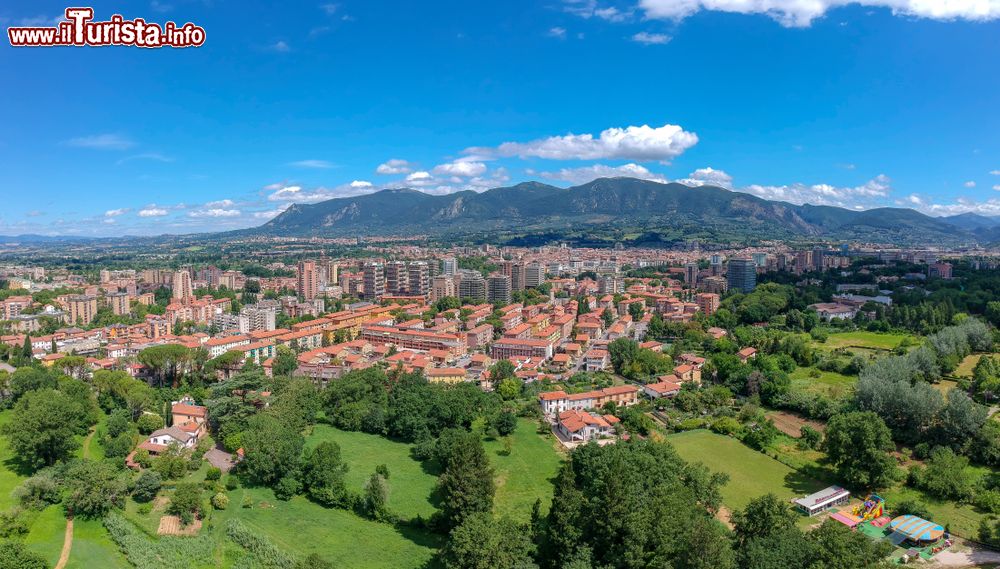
(691, 424)
(247, 501)
(39, 491)
(912, 507)
(287, 488)
(232, 483)
(147, 486)
(12, 524)
(15, 555)
(145, 508)
(383, 470)
(213, 473)
(726, 426)
(220, 501)
(810, 437)
(988, 501)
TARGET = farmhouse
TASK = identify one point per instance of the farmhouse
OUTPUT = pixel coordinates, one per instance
(575, 425)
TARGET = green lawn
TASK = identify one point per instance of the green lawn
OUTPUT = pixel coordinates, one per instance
(346, 540)
(862, 339)
(47, 532)
(828, 383)
(8, 478)
(92, 547)
(300, 527)
(411, 484)
(527, 474)
(751, 474)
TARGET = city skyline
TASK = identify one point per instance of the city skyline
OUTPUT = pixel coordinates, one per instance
(854, 106)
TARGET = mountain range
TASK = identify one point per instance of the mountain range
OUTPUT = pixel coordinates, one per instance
(618, 208)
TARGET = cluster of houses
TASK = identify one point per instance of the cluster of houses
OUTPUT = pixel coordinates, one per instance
(188, 424)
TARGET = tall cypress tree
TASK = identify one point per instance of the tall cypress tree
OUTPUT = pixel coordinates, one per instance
(467, 485)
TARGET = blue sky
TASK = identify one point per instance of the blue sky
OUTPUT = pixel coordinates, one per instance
(894, 102)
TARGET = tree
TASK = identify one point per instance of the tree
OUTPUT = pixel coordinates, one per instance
(376, 497)
(509, 388)
(43, 427)
(858, 444)
(502, 370)
(285, 362)
(466, 484)
(93, 488)
(763, 517)
(185, 502)
(147, 486)
(323, 472)
(837, 547)
(481, 542)
(945, 475)
(506, 423)
(271, 449)
(622, 352)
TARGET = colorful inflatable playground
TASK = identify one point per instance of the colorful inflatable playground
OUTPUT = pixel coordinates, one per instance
(914, 536)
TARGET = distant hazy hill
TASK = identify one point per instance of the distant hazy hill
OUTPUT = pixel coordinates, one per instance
(607, 203)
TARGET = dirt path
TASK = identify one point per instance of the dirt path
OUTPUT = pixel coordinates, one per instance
(974, 558)
(86, 442)
(67, 545)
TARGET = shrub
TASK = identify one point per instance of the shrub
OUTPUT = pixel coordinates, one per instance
(383, 470)
(691, 424)
(12, 524)
(912, 507)
(287, 488)
(39, 491)
(726, 426)
(185, 502)
(232, 483)
(220, 501)
(810, 437)
(213, 473)
(247, 501)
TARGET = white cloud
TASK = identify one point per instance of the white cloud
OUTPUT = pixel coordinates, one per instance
(708, 177)
(117, 212)
(856, 197)
(801, 13)
(280, 46)
(154, 156)
(585, 174)
(296, 194)
(647, 38)
(640, 143)
(969, 184)
(102, 142)
(214, 212)
(152, 211)
(997, 187)
(330, 9)
(465, 168)
(591, 9)
(394, 166)
(317, 164)
(995, 172)
(419, 177)
(221, 203)
(557, 32)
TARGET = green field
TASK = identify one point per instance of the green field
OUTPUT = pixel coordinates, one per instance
(9, 479)
(411, 484)
(300, 527)
(751, 474)
(828, 383)
(865, 340)
(527, 474)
